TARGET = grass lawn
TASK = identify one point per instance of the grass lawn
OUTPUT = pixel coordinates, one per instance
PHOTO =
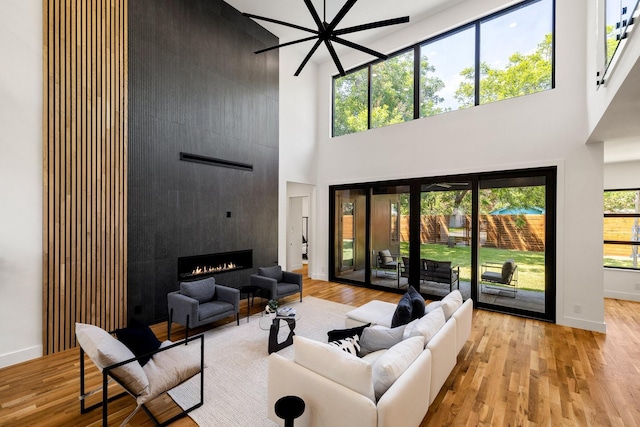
(530, 264)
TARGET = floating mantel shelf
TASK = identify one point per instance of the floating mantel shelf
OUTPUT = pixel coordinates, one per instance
(196, 158)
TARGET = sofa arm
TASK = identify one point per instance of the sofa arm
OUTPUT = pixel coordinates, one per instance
(290, 277)
(182, 307)
(408, 397)
(463, 317)
(327, 403)
(266, 283)
(230, 295)
(443, 357)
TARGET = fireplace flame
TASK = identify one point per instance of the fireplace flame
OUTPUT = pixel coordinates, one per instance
(213, 269)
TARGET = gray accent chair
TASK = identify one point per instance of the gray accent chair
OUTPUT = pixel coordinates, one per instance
(200, 302)
(275, 283)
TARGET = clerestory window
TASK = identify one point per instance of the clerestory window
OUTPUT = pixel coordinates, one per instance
(507, 54)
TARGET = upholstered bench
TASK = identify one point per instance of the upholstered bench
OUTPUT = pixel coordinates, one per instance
(374, 312)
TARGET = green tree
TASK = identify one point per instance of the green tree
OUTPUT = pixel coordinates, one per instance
(350, 105)
(523, 75)
(392, 91)
(391, 95)
(624, 201)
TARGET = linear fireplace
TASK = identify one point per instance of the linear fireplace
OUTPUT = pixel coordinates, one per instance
(201, 266)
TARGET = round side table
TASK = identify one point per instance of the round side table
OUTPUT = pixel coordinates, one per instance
(289, 408)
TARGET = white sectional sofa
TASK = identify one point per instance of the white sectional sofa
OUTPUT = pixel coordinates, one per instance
(340, 389)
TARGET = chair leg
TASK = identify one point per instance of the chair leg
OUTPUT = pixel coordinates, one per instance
(238, 319)
(169, 324)
(186, 332)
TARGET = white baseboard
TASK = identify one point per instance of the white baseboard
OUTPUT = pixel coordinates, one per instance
(19, 356)
(622, 295)
(589, 325)
(322, 277)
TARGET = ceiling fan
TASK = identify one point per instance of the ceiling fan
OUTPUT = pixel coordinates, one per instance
(327, 33)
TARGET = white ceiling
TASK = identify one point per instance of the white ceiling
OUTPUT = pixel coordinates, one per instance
(363, 12)
(619, 127)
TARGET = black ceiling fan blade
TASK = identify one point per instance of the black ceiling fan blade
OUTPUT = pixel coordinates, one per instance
(334, 55)
(286, 44)
(341, 14)
(306, 58)
(275, 21)
(314, 14)
(358, 47)
(372, 25)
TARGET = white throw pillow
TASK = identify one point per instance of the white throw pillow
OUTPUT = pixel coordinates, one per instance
(432, 306)
(388, 367)
(104, 350)
(334, 364)
(426, 326)
(451, 303)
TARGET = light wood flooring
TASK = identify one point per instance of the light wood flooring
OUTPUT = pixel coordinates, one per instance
(511, 372)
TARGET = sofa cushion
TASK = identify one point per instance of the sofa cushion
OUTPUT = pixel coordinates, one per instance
(417, 303)
(350, 345)
(139, 338)
(432, 306)
(370, 312)
(451, 303)
(402, 315)
(334, 364)
(213, 308)
(385, 256)
(169, 368)
(339, 334)
(507, 270)
(374, 339)
(104, 350)
(427, 326)
(200, 290)
(274, 272)
(388, 367)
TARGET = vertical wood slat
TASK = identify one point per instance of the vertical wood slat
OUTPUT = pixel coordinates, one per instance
(85, 148)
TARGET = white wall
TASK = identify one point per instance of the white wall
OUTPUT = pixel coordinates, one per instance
(622, 284)
(297, 136)
(548, 128)
(20, 180)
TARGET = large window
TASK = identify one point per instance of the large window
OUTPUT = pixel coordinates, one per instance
(490, 235)
(622, 228)
(501, 56)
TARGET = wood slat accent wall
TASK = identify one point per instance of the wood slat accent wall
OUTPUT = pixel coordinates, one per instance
(85, 167)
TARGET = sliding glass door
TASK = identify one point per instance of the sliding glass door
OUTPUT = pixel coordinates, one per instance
(490, 235)
(349, 234)
(446, 231)
(389, 231)
(515, 249)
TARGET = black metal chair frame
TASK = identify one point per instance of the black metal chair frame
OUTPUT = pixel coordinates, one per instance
(106, 379)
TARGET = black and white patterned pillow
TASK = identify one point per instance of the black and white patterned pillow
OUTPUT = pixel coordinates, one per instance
(350, 345)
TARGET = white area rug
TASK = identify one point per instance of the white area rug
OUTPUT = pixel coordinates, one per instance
(235, 384)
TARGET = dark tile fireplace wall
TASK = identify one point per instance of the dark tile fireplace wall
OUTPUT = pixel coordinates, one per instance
(196, 87)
